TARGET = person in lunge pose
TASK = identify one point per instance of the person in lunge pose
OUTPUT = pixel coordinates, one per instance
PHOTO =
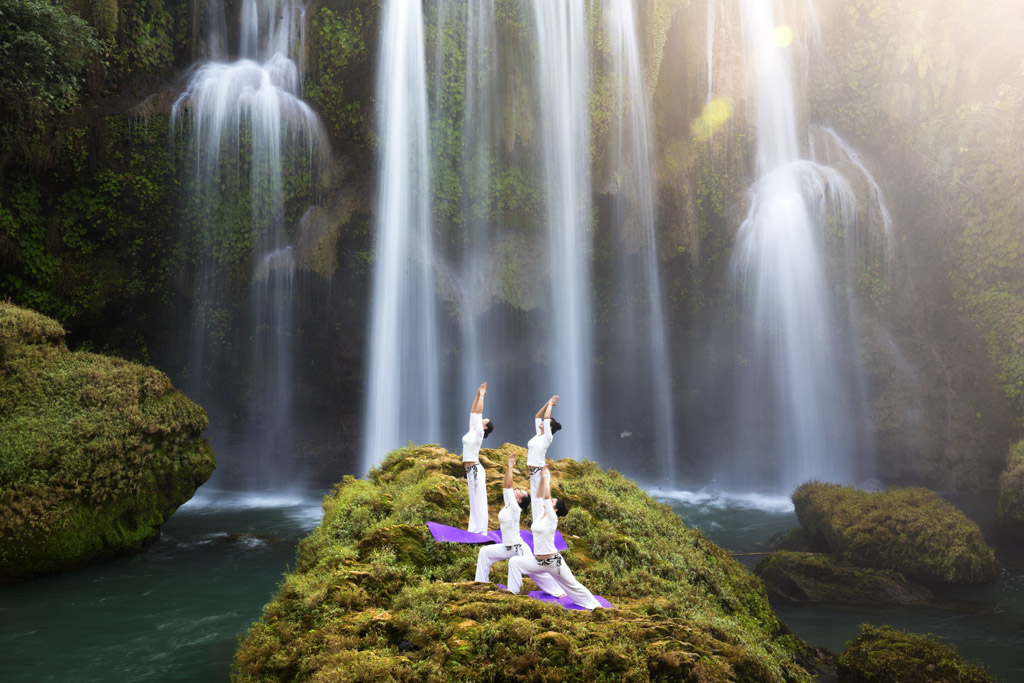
(512, 544)
(545, 427)
(479, 429)
(547, 560)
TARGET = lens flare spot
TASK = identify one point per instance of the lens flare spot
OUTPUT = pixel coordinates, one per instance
(716, 112)
(783, 36)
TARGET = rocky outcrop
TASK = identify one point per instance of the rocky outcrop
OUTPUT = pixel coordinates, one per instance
(1010, 513)
(95, 452)
(816, 577)
(911, 531)
(881, 654)
(373, 597)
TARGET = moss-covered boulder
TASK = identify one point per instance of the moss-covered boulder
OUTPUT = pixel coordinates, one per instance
(1010, 513)
(373, 597)
(95, 452)
(881, 654)
(908, 530)
(815, 577)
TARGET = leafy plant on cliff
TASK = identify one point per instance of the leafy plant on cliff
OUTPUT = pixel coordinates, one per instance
(373, 597)
(44, 51)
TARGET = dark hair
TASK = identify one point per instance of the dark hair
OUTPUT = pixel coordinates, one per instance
(555, 426)
(488, 428)
(561, 509)
(524, 504)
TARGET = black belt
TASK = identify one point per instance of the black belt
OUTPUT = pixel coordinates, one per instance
(471, 472)
(555, 559)
(517, 546)
(534, 470)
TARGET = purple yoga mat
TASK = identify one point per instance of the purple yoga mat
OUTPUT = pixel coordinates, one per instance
(451, 534)
(565, 601)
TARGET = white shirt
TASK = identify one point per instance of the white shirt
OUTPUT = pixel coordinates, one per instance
(544, 530)
(537, 447)
(508, 518)
(473, 439)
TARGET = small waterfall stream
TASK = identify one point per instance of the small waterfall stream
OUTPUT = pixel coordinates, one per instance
(799, 410)
(404, 392)
(247, 127)
(639, 392)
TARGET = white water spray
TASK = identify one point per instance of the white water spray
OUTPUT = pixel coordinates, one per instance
(248, 113)
(644, 386)
(404, 362)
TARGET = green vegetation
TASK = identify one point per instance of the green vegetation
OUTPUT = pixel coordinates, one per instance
(1010, 513)
(373, 597)
(339, 81)
(44, 51)
(95, 452)
(908, 530)
(881, 654)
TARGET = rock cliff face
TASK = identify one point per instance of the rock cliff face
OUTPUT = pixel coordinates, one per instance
(373, 597)
(95, 452)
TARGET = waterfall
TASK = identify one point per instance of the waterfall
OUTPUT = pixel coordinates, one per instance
(799, 412)
(245, 123)
(403, 394)
(641, 388)
(563, 81)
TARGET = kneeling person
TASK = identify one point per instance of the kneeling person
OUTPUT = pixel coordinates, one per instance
(512, 544)
(548, 561)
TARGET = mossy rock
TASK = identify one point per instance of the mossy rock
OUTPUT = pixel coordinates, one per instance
(881, 654)
(806, 577)
(373, 597)
(907, 530)
(1010, 513)
(95, 453)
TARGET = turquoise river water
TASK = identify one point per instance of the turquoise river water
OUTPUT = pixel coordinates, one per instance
(175, 613)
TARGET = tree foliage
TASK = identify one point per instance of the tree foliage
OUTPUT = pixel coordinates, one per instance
(44, 51)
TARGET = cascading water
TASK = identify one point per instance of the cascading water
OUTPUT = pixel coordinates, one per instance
(403, 396)
(638, 393)
(470, 104)
(563, 80)
(246, 123)
(799, 410)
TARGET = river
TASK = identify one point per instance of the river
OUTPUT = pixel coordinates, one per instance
(175, 613)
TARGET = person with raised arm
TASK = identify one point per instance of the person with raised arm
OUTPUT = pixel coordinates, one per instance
(546, 560)
(512, 545)
(545, 427)
(479, 429)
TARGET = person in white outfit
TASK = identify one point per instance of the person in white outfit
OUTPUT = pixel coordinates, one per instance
(545, 427)
(547, 560)
(479, 429)
(512, 544)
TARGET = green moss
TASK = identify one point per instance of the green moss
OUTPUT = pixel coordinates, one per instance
(1010, 513)
(910, 530)
(882, 654)
(373, 597)
(95, 452)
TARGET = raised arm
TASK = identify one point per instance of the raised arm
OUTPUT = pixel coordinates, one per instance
(507, 484)
(478, 401)
(545, 410)
(544, 490)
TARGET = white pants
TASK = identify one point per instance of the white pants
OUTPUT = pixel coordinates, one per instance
(554, 568)
(489, 554)
(536, 509)
(477, 481)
